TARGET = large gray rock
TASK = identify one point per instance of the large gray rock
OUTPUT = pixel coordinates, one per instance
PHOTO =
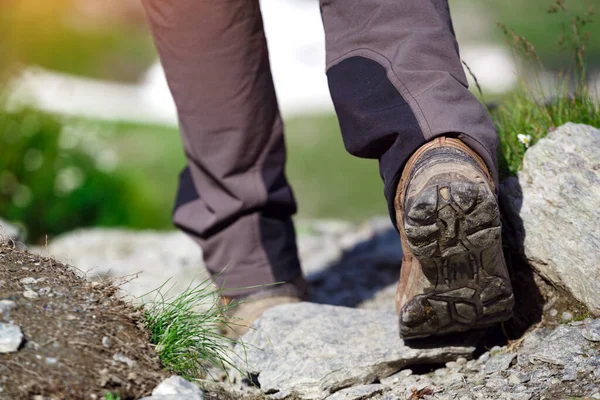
(10, 231)
(554, 208)
(315, 350)
(152, 258)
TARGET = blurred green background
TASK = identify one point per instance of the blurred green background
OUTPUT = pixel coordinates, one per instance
(61, 172)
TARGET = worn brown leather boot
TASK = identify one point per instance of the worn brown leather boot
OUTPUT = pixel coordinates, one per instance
(243, 314)
(453, 275)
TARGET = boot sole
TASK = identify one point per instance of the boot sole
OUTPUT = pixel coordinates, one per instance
(454, 231)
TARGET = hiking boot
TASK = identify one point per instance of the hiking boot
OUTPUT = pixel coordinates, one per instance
(453, 275)
(243, 313)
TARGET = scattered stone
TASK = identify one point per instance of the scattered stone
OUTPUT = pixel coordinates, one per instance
(10, 338)
(592, 331)
(51, 361)
(315, 350)
(361, 392)
(126, 360)
(553, 312)
(176, 388)
(106, 342)
(567, 316)
(45, 291)
(499, 362)
(7, 305)
(556, 198)
(28, 281)
(569, 375)
(30, 294)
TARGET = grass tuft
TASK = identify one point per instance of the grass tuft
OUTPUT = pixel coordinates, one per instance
(186, 331)
(534, 110)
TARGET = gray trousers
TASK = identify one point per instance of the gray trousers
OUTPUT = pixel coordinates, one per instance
(396, 80)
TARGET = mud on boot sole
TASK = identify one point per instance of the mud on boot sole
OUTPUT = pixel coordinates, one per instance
(454, 231)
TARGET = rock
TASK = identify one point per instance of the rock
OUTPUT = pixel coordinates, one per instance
(106, 342)
(30, 294)
(176, 388)
(561, 347)
(316, 350)
(28, 281)
(361, 392)
(51, 361)
(592, 331)
(499, 362)
(153, 257)
(7, 305)
(552, 207)
(124, 359)
(567, 316)
(10, 338)
(9, 231)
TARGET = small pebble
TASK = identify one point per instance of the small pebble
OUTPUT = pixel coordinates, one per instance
(28, 281)
(592, 331)
(51, 361)
(514, 380)
(106, 342)
(126, 360)
(553, 312)
(567, 316)
(405, 373)
(30, 294)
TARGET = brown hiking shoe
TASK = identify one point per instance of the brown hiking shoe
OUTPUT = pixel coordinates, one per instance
(453, 275)
(243, 314)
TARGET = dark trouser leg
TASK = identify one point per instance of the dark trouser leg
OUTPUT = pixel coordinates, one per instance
(397, 81)
(234, 199)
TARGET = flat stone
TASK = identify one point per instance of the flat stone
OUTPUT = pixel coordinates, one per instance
(361, 392)
(10, 338)
(552, 209)
(316, 350)
(561, 347)
(30, 294)
(592, 331)
(176, 388)
(499, 362)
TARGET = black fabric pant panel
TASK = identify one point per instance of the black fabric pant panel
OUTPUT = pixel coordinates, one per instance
(375, 120)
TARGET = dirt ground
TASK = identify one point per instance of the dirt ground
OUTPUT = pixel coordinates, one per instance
(80, 340)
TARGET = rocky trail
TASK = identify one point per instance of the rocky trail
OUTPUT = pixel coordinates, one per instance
(65, 333)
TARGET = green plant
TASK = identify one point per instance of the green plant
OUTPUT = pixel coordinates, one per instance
(55, 175)
(186, 330)
(112, 396)
(533, 111)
